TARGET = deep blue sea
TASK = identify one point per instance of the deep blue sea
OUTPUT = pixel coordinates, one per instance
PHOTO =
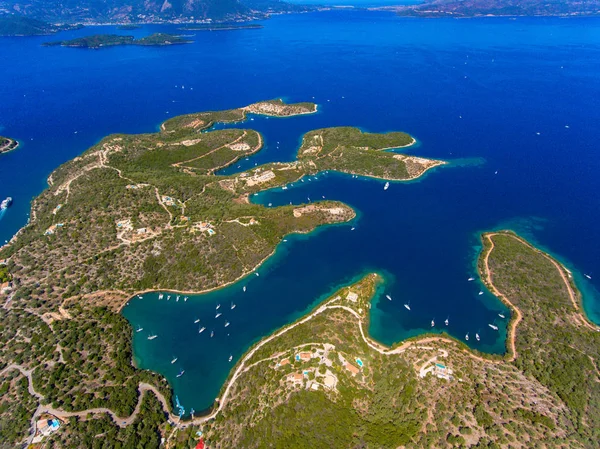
(514, 105)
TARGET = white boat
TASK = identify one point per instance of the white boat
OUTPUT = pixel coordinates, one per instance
(481, 293)
(244, 288)
(226, 323)
(140, 296)
(169, 298)
(197, 320)
(471, 279)
(467, 337)
(284, 188)
(185, 299)
(152, 337)
(201, 330)
(285, 240)
(161, 296)
(218, 307)
(432, 323)
(232, 306)
(177, 299)
(477, 337)
(447, 321)
(352, 229)
(6, 203)
(218, 315)
(230, 358)
(501, 316)
(256, 274)
(212, 334)
(139, 329)
(493, 326)
(588, 276)
(181, 373)
(407, 306)
(386, 186)
(174, 360)
(388, 297)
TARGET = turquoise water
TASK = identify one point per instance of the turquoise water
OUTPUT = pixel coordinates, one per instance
(475, 92)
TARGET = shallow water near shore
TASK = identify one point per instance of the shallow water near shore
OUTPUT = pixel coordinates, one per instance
(475, 92)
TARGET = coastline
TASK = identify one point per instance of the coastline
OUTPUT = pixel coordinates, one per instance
(239, 278)
(434, 164)
(7, 147)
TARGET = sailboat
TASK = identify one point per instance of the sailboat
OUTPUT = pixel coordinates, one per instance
(493, 326)
(201, 330)
(467, 337)
(218, 307)
(480, 292)
(177, 299)
(407, 305)
(169, 298)
(212, 334)
(471, 279)
(432, 323)
(587, 276)
(174, 360)
(447, 321)
(352, 229)
(256, 274)
(218, 315)
(386, 186)
(185, 298)
(501, 316)
(388, 297)
(232, 306)
(181, 373)
(152, 337)
(226, 323)
(230, 358)
(197, 320)
(139, 329)
(477, 336)
(244, 288)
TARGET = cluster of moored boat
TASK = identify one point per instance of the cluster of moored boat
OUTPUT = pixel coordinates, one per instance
(447, 320)
(196, 321)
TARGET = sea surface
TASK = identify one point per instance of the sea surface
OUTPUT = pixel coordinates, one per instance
(513, 105)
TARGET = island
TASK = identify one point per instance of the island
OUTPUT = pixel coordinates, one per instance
(112, 40)
(7, 144)
(493, 8)
(16, 25)
(222, 26)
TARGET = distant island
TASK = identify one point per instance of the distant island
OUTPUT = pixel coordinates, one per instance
(7, 144)
(13, 25)
(485, 8)
(112, 40)
(221, 27)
